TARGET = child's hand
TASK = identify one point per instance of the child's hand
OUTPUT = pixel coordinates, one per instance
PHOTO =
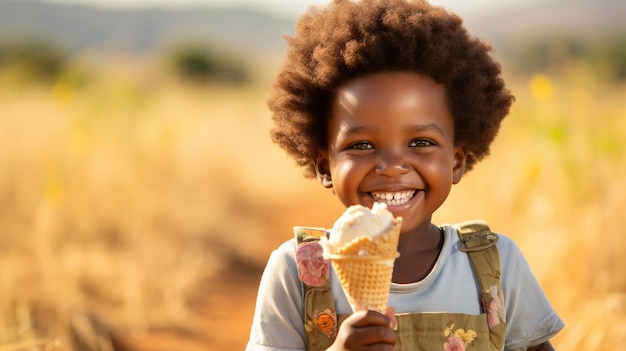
(367, 330)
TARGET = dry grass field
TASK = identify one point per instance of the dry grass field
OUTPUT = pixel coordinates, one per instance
(137, 212)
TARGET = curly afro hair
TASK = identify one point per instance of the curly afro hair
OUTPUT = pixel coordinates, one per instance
(350, 39)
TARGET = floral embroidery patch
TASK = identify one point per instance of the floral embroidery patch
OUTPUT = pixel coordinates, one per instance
(313, 269)
(495, 308)
(459, 339)
(325, 321)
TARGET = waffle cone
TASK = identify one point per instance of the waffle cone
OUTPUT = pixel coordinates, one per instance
(364, 268)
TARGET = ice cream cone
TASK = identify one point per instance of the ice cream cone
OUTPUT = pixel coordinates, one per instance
(364, 267)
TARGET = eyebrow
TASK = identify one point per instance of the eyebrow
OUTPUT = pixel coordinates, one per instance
(428, 126)
(354, 129)
(415, 127)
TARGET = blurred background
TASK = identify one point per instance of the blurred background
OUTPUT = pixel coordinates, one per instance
(140, 195)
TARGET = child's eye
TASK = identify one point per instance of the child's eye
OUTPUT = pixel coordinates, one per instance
(421, 143)
(361, 146)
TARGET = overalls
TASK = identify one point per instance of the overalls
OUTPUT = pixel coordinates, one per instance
(424, 331)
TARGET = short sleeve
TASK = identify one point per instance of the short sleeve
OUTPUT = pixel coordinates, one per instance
(278, 324)
(531, 320)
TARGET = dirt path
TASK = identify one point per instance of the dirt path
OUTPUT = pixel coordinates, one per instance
(227, 309)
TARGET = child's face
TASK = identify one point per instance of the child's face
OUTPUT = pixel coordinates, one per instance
(391, 139)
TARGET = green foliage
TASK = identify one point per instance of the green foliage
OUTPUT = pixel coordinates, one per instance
(606, 56)
(609, 54)
(200, 64)
(32, 60)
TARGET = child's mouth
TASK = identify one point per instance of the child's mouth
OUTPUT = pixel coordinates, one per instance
(393, 198)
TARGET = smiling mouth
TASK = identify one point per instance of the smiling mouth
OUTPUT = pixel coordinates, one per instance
(394, 198)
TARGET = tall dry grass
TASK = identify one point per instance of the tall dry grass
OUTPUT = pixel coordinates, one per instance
(132, 204)
(555, 182)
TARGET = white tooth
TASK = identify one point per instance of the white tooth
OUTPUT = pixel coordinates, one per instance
(394, 198)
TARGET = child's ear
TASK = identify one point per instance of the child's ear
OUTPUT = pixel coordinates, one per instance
(322, 171)
(460, 160)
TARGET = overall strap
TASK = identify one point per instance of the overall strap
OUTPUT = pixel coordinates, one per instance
(479, 242)
(320, 317)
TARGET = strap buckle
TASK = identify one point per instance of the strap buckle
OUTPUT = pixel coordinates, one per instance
(478, 242)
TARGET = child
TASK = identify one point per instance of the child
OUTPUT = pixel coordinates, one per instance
(393, 101)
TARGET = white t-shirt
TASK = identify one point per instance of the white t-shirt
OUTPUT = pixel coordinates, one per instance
(451, 286)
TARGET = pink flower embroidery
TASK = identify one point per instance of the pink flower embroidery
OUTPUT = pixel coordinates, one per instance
(495, 309)
(313, 269)
(454, 343)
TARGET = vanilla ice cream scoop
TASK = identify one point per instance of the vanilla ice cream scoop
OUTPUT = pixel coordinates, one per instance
(362, 247)
(359, 221)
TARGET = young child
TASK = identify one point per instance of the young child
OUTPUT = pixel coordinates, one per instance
(393, 101)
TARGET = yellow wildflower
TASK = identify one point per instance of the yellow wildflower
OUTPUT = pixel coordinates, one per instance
(467, 336)
(541, 87)
(448, 330)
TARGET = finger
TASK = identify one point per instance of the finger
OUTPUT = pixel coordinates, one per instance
(356, 338)
(370, 318)
(367, 329)
(391, 314)
(375, 335)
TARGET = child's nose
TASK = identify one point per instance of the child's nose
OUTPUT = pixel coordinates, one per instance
(391, 163)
